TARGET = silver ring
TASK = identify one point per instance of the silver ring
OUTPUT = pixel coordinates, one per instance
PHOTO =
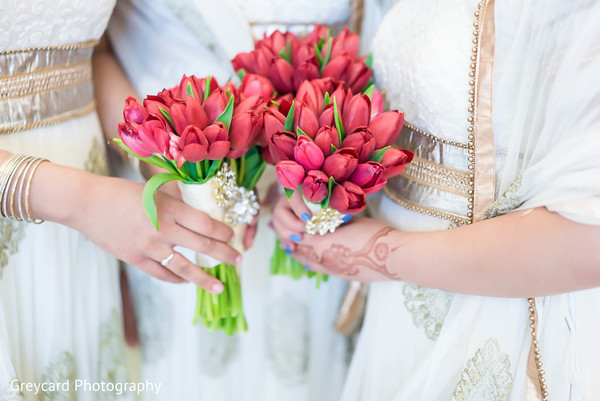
(166, 260)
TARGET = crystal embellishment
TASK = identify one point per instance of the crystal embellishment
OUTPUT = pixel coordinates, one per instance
(240, 203)
(327, 220)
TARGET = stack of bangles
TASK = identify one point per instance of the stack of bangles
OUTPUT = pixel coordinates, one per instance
(15, 179)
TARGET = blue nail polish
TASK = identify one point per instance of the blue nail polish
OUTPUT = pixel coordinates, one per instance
(305, 217)
(306, 268)
(288, 250)
(346, 218)
(295, 238)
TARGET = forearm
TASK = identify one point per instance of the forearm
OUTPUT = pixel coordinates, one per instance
(521, 254)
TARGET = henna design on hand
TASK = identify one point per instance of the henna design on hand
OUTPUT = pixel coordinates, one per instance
(340, 260)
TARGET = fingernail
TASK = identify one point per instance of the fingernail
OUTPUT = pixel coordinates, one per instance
(288, 251)
(217, 288)
(346, 218)
(306, 268)
(295, 238)
(305, 217)
(238, 260)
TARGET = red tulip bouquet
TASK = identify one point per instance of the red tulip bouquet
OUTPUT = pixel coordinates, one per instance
(287, 61)
(335, 149)
(204, 136)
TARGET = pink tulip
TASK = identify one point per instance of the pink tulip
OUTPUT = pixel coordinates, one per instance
(289, 173)
(242, 132)
(153, 132)
(306, 119)
(193, 146)
(341, 164)
(218, 138)
(281, 73)
(256, 85)
(282, 145)
(395, 161)
(314, 186)
(348, 198)
(362, 141)
(356, 113)
(369, 176)
(376, 104)
(386, 127)
(327, 136)
(308, 154)
(133, 112)
(215, 104)
(132, 140)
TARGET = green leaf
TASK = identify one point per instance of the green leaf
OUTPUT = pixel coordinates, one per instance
(289, 120)
(369, 60)
(369, 91)
(286, 53)
(227, 114)
(330, 184)
(148, 196)
(214, 167)
(189, 90)
(275, 103)
(167, 116)
(327, 55)
(377, 156)
(241, 74)
(319, 57)
(191, 170)
(255, 175)
(326, 100)
(206, 87)
(288, 193)
(338, 121)
(333, 149)
(300, 132)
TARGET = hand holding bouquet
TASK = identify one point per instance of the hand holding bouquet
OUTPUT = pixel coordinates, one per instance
(203, 135)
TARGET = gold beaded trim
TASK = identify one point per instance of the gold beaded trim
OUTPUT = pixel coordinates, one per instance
(47, 122)
(71, 46)
(435, 138)
(53, 78)
(536, 349)
(441, 214)
(425, 172)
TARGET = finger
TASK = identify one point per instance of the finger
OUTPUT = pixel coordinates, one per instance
(202, 223)
(182, 267)
(208, 246)
(284, 214)
(299, 207)
(287, 243)
(309, 262)
(250, 233)
(155, 269)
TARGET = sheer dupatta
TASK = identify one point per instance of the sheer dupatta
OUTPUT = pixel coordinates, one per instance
(547, 106)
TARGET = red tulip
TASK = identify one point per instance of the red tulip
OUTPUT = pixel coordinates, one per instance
(369, 176)
(197, 86)
(192, 146)
(347, 198)
(256, 62)
(254, 104)
(338, 67)
(308, 154)
(153, 132)
(305, 72)
(188, 113)
(132, 140)
(319, 32)
(282, 145)
(345, 42)
(356, 112)
(215, 104)
(327, 136)
(305, 54)
(242, 132)
(363, 141)
(256, 85)
(395, 161)
(218, 140)
(327, 118)
(281, 73)
(310, 93)
(289, 173)
(163, 100)
(306, 119)
(376, 104)
(386, 127)
(314, 186)
(358, 77)
(341, 164)
(133, 112)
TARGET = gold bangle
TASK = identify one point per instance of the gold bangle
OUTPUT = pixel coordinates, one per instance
(23, 179)
(4, 176)
(16, 177)
(9, 172)
(34, 167)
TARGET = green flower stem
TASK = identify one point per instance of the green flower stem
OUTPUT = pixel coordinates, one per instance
(223, 311)
(283, 264)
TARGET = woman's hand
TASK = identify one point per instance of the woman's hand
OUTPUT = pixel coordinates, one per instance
(109, 212)
(360, 250)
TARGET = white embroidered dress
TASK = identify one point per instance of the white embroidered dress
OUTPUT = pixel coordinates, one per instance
(426, 344)
(60, 311)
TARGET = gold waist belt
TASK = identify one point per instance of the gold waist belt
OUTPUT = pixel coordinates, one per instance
(45, 86)
(438, 182)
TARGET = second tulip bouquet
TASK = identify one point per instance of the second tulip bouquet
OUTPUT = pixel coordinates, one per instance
(334, 147)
